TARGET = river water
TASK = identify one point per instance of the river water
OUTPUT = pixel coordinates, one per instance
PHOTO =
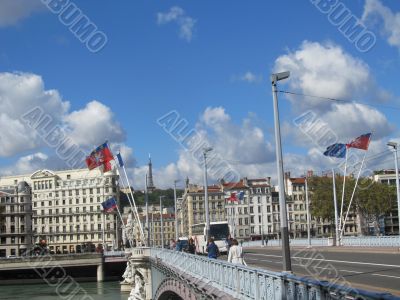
(75, 291)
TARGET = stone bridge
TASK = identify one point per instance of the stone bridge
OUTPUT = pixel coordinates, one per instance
(154, 273)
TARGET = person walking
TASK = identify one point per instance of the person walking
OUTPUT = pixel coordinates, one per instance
(191, 247)
(212, 249)
(235, 254)
(178, 246)
(172, 244)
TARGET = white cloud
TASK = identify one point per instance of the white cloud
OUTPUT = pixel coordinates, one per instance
(178, 15)
(241, 148)
(251, 77)
(19, 93)
(375, 11)
(326, 70)
(93, 125)
(86, 128)
(12, 11)
(27, 164)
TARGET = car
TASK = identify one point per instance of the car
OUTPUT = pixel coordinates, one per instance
(11, 256)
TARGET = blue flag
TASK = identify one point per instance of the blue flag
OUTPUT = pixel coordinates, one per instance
(336, 150)
(109, 205)
(120, 161)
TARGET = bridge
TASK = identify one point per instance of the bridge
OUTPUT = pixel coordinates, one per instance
(155, 273)
(78, 266)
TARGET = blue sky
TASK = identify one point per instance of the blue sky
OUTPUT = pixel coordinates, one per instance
(210, 61)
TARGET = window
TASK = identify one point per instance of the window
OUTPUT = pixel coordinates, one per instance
(68, 176)
(70, 193)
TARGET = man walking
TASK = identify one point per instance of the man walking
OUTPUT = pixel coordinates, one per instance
(212, 249)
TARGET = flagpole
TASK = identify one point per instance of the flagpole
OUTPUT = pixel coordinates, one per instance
(336, 208)
(354, 190)
(122, 221)
(344, 185)
(133, 207)
(134, 204)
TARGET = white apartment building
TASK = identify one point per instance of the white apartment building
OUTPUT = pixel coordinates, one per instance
(66, 208)
(15, 219)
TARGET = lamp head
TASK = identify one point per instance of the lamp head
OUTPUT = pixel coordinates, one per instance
(392, 144)
(279, 76)
(207, 149)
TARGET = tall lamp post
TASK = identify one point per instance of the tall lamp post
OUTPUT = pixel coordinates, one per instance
(205, 151)
(395, 146)
(176, 212)
(161, 222)
(308, 213)
(287, 265)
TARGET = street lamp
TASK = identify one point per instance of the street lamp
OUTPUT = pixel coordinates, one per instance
(287, 266)
(161, 222)
(308, 213)
(205, 151)
(394, 145)
(219, 206)
(176, 212)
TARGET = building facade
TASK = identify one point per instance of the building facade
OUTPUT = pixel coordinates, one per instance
(192, 207)
(66, 208)
(15, 219)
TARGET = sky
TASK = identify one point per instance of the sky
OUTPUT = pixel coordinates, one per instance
(168, 78)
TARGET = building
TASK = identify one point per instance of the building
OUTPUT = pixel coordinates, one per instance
(66, 208)
(192, 208)
(15, 219)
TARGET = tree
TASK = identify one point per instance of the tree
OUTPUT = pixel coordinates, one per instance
(370, 198)
(375, 199)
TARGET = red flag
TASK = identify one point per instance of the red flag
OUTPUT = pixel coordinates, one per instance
(233, 197)
(362, 142)
(100, 157)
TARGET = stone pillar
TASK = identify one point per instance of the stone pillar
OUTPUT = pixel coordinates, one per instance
(100, 272)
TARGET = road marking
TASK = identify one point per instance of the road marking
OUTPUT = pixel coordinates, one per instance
(383, 275)
(332, 260)
(356, 272)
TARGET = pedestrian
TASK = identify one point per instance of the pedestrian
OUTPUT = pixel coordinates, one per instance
(212, 249)
(191, 246)
(228, 243)
(178, 246)
(266, 240)
(235, 255)
(172, 244)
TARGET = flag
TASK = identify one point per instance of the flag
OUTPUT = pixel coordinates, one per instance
(240, 196)
(336, 150)
(101, 156)
(362, 142)
(232, 197)
(120, 161)
(109, 205)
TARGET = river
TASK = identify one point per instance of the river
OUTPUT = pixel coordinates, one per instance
(74, 291)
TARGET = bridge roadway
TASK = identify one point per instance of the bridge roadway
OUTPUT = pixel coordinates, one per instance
(370, 269)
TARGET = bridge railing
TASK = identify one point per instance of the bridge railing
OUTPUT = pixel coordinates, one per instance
(358, 241)
(243, 282)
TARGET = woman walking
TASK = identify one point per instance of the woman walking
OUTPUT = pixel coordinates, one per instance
(235, 255)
